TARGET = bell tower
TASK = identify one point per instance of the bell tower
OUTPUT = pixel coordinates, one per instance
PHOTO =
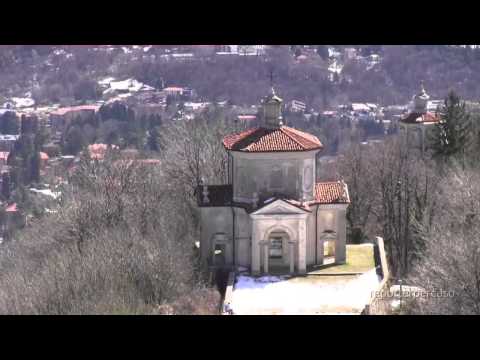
(420, 101)
(272, 110)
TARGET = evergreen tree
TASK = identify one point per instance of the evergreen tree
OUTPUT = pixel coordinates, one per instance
(6, 186)
(9, 123)
(153, 139)
(42, 136)
(34, 172)
(74, 141)
(451, 136)
(322, 51)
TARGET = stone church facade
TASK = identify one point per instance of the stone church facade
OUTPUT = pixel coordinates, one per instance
(272, 215)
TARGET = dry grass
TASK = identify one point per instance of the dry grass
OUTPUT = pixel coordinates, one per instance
(359, 260)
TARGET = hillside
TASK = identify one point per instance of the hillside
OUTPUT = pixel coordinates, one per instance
(322, 76)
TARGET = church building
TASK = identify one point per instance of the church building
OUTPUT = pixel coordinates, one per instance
(417, 123)
(272, 216)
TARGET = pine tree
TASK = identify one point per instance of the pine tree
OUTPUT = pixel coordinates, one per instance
(322, 51)
(452, 134)
(34, 175)
(153, 139)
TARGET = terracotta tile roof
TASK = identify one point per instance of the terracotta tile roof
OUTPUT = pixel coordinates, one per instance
(11, 208)
(415, 118)
(262, 139)
(332, 192)
(98, 151)
(4, 155)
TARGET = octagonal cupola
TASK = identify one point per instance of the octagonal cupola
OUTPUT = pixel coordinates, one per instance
(420, 101)
(272, 110)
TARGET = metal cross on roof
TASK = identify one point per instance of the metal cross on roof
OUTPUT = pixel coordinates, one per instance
(271, 77)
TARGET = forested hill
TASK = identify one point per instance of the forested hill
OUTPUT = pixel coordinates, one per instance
(322, 76)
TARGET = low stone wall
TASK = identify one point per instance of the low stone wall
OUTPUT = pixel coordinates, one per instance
(376, 305)
(227, 301)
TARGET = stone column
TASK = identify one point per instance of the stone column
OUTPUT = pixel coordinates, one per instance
(292, 256)
(255, 263)
(340, 243)
(302, 244)
(264, 245)
(423, 140)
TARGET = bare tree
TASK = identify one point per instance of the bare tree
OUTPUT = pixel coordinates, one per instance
(357, 167)
(119, 243)
(449, 267)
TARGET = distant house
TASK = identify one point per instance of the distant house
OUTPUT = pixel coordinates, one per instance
(297, 106)
(125, 86)
(246, 119)
(13, 220)
(11, 208)
(98, 151)
(329, 114)
(43, 159)
(188, 93)
(4, 157)
(173, 90)
(195, 106)
(360, 108)
(61, 118)
(8, 141)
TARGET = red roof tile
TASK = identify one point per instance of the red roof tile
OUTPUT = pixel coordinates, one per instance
(11, 208)
(261, 139)
(98, 151)
(4, 155)
(332, 192)
(415, 118)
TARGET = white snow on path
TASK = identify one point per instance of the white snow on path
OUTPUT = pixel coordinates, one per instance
(311, 295)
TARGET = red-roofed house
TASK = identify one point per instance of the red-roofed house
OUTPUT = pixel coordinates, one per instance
(173, 90)
(11, 208)
(272, 214)
(60, 118)
(43, 159)
(98, 151)
(4, 157)
(13, 219)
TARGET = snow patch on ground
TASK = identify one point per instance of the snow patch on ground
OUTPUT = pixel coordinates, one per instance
(335, 67)
(283, 295)
(46, 192)
(130, 85)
